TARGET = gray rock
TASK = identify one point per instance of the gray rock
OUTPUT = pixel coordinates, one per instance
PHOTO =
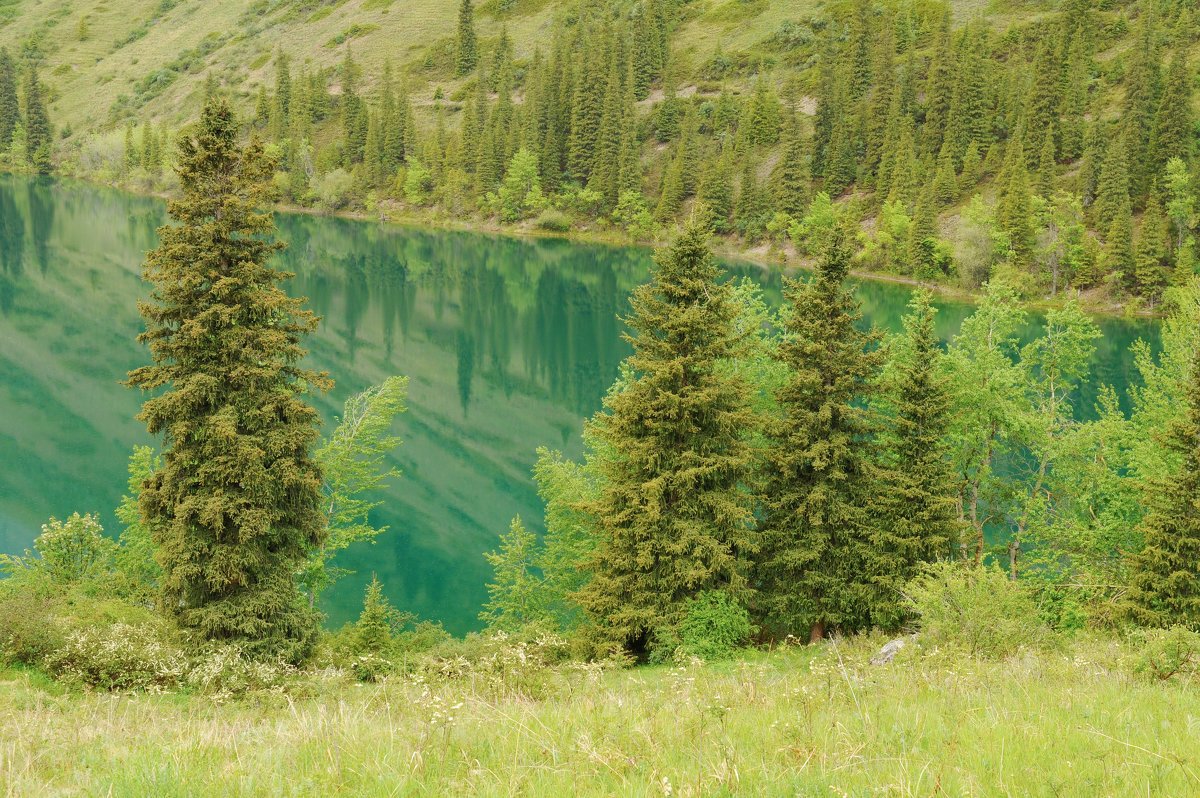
(888, 652)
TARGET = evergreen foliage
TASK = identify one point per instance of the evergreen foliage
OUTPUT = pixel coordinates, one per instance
(1165, 578)
(918, 516)
(672, 518)
(38, 132)
(235, 507)
(466, 46)
(10, 110)
(819, 561)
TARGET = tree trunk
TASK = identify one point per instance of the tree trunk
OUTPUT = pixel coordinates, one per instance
(817, 633)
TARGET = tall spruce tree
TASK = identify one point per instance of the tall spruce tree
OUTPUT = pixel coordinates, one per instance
(918, 516)
(38, 132)
(790, 180)
(234, 507)
(1165, 574)
(1150, 254)
(10, 109)
(819, 563)
(466, 46)
(1174, 123)
(673, 516)
(1112, 185)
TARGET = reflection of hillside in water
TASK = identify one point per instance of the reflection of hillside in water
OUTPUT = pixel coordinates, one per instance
(508, 344)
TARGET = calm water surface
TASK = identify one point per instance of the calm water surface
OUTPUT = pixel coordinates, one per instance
(508, 345)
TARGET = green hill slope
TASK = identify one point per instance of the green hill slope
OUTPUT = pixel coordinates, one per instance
(969, 140)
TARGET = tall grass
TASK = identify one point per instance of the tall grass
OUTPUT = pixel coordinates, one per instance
(816, 721)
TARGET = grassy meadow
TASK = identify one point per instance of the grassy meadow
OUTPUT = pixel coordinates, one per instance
(811, 721)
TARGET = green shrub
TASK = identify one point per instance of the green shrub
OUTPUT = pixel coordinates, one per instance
(715, 626)
(1165, 654)
(226, 672)
(28, 632)
(976, 610)
(554, 221)
(119, 657)
(38, 616)
(333, 188)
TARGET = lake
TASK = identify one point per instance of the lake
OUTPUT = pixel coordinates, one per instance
(508, 345)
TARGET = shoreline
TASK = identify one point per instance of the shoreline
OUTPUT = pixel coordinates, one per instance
(721, 247)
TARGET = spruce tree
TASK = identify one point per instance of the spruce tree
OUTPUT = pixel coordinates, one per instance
(790, 180)
(282, 105)
(1151, 252)
(354, 111)
(1174, 123)
(819, 562)
(1164, 585)
(673, 516)
(945, 183)
(38, 132)
(234, 507)
(922, 238)
(1118, 242)
(10, 109)
(689, 149)
(1143, 85)
(629, 166)
(132, 157)
(841, 168)
(764, 113)
(1112, 187)
(466, 47)
(918, 518)
(716, 192)
(1042, 106)
(939, 90)
(1046, 168)
(752, 204)
(670, 194)
(1073, 128)
(971, 168)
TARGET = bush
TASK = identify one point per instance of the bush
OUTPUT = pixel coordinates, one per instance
(37, 617)
(119, 657)
(977, 610)
(333, 188)
(715, 627)
(1167, 653)
(524, 663)
(554, 221)
(27, 631)
(226, 672)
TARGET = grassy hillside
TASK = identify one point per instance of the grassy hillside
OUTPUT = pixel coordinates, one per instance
(816, 721)
(149, 58)
(633, 113)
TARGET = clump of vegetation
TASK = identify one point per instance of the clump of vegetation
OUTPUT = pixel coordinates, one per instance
(979, 611)
(1167, 654)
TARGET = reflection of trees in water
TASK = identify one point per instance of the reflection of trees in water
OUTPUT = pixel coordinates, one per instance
(12, 246)
(511, 312)
(41, 219)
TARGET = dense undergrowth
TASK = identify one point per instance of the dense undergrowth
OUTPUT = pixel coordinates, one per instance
(1072, 718)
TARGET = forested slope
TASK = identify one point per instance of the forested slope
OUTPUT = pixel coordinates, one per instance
(1048, 144)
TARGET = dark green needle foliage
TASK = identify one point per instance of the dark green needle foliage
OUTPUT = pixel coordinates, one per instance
(820, 474)
(673, 518)
(38, 131)
(1165, 574)
(10, 109)
(918, 519)
(234, 507)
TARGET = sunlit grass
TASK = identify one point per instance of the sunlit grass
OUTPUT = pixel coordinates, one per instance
(811, 721)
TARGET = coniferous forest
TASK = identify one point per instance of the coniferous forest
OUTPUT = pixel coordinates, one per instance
(797, 554)
(1051, 146)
